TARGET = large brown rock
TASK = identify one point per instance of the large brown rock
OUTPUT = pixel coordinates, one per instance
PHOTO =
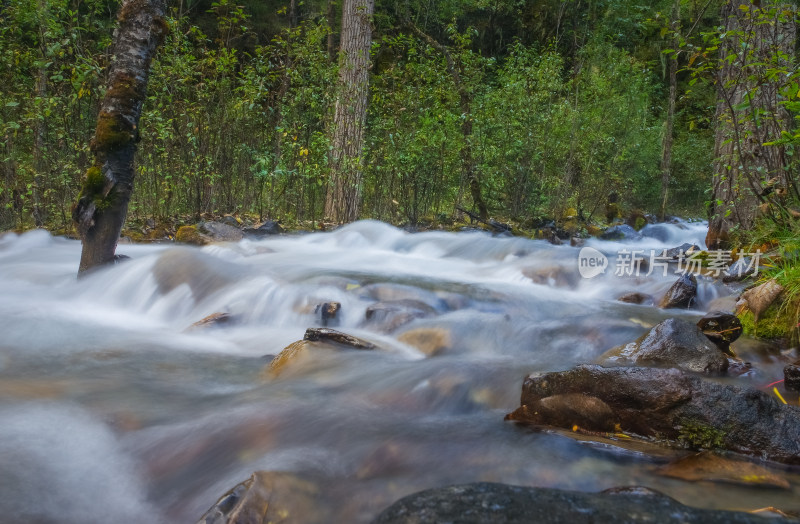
(681, 294)
(671, 343)
(680, 408)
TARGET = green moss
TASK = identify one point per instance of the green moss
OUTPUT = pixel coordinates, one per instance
(112, 132)
(190, 235)
(94, 182)
(771, 324)
(700, 436)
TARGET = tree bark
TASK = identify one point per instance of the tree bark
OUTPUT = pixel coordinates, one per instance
(102, 205)
(40, 130)
(747, 116)
(343, 199)
(672, 72)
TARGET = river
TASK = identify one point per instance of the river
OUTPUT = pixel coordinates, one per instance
(111, 410)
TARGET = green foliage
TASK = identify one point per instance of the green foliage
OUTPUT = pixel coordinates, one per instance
(556, 107)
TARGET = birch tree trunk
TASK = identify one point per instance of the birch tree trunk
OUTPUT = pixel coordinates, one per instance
(343, 199)
(102, 205)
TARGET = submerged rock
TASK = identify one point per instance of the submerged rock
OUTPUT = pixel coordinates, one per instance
(721, 328)
(681, 294)
(391, 314)
(268, 497)
(430, 341)
(212, 320)
(680, 408)
(717, 467)
(486, 502)
(621, 232)
(327, 313)
(671, 343)
(635, 297)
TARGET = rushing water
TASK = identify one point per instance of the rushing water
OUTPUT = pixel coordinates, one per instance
(112, 411)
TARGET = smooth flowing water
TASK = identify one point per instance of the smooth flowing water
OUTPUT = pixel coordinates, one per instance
(111, 410)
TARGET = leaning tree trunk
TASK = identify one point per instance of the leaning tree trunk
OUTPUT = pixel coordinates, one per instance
(103, 202)
(748, 116)
(350, 115)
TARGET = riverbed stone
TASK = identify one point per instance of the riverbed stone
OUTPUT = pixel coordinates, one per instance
(268, 228)
(220, 232)
(494, 503)
(714, 466)
(391, 314)
(791, 377)
(721, 328)
(671, 343)
(621, 232)
(677, 408)
(269, 496)
(681, 294)
(635, 297)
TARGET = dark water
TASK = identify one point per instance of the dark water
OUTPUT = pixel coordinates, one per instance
(111, 411)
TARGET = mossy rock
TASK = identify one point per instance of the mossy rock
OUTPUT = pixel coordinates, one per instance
(190, 235)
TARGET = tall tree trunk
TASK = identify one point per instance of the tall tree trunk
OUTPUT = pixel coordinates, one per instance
(672, 72)
(102, 205)
(40, 129)
(331, 21)
(350, 115)
(747, 116)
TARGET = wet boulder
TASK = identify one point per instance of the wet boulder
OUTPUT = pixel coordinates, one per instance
(791, 377)
(391, 314)
(684, 250)
(220, 232)
(621, 232)
(671, 343)
(721, 328)
(681, 294)
(328, 313)
(268, 228)
(678, 408)
(570, 410)
(493, 503)
(190, 235)
(336, 337)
